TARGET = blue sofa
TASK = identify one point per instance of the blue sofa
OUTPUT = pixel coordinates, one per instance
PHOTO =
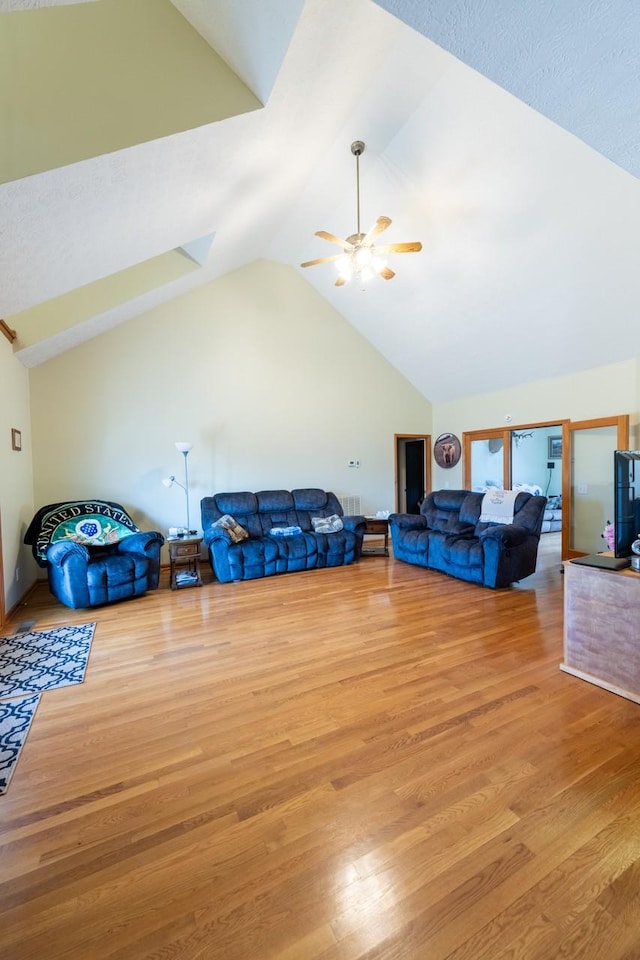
(263, 516)
(93, 552)
(447, 535)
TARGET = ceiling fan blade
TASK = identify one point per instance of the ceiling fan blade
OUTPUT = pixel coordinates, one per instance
(386, 273)
(333, 239)
(312, 263)
(381, 224)
(413, 247)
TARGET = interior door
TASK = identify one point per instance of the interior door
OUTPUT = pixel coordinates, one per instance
(414, 482)
(412, 454)
(588, 481)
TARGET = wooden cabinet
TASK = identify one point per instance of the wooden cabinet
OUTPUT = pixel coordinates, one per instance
(602, 628)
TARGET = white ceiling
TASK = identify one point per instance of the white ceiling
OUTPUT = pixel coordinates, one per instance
(528, 209)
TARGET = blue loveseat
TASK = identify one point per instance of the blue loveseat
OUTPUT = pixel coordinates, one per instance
(447, 535)
(265, 516)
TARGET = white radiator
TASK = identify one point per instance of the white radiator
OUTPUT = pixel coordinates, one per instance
(351, 506)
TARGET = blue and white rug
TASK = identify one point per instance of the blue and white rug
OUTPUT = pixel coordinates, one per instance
(31, 663)
(15, 720)
(44, 659)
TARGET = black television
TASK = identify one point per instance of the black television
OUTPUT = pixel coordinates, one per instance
(627, 500)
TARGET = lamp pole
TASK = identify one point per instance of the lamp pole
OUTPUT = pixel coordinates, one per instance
(184, 449)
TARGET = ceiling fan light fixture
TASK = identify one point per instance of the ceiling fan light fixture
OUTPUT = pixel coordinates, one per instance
(344, 267)
(363, 257)
(360, 259)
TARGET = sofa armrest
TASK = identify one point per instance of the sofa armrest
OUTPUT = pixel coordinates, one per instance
(408, 521)
(67, 551)
(217, 533)
(507, 534)
(144, 542)
(355, 524)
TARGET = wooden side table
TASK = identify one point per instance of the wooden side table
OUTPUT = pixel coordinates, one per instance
(376, 526)
(184, 557)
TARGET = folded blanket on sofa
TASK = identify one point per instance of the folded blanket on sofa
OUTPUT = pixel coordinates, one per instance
(498, 506)
(332, 524)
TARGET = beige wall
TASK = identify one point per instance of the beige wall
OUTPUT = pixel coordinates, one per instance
(87, 80)
(607, 391)
(16, 483)
(273, 387)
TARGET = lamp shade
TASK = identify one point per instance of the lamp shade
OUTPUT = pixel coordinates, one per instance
(183, 446)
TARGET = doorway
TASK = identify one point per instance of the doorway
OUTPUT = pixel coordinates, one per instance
(588, 484)
(412, 461)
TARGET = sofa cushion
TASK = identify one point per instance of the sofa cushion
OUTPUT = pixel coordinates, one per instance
(309, 498)
(471, 508)
(527, 514)
(253, 558)
(296, 553)
(461, 552)
(441, 509)
(274, 501)
(236, 504)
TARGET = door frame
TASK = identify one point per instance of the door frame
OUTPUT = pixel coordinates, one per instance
(397, 437)
(568, 428)
(501, 433)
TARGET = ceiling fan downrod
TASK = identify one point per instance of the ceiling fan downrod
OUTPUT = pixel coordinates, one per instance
(357, 149)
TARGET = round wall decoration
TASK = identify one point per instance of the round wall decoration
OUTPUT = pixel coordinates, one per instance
(446, 450)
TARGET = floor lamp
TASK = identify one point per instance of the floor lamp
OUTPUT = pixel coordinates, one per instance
(184, 449)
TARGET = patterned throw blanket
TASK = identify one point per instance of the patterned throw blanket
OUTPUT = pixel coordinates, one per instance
(498, 506)
(90, 522)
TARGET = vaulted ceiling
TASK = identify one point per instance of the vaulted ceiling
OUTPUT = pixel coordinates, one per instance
(150, 147)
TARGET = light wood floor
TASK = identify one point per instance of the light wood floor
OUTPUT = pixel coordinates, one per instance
(368, 762)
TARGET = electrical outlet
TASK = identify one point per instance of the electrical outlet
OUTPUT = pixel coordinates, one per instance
(582, 488)
(17, 574)
(551, 465)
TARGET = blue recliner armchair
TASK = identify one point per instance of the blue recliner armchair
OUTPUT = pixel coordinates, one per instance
(93, 552)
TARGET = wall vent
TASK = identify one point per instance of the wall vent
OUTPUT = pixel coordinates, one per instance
(351, 506)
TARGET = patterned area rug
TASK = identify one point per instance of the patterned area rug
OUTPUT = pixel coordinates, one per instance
(31, 663)
(15, 720)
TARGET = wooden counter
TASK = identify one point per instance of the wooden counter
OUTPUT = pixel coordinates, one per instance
(602, 628)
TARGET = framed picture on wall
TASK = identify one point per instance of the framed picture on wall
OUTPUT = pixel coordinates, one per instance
(555, 448)
(447, 450)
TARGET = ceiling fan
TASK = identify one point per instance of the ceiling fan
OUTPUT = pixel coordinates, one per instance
(361, 257)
